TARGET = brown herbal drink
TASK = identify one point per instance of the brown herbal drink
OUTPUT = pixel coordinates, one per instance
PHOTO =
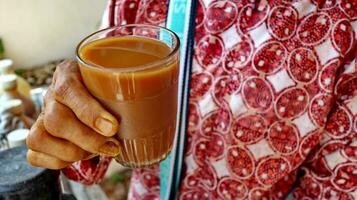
(135, 78)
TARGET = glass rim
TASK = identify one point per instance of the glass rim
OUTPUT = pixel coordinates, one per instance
(128, 69)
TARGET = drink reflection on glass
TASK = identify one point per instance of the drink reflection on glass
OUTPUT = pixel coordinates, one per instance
(133, 71)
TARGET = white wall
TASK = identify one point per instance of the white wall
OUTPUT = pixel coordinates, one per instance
(35, 32)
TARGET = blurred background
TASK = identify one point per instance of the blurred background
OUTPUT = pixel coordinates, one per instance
(36, 32)
(34, 37)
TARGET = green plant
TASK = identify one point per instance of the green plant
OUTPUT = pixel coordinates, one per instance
(120, 177)
(2, 49)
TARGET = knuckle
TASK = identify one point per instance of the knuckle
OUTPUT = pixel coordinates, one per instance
(53, 112)
(59, 71)
(67, 67)
(48, 97)
(32, 159)
(64, 86)
(72, 66)
(61, 89)
(63, 65)
(33, 140)
(51, 123)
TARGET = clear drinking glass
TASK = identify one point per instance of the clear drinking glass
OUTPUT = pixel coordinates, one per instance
(143, 97)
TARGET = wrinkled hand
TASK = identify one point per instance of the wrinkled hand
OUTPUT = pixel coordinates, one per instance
(73, 125)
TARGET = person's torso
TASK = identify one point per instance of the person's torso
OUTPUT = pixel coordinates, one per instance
(261, 89)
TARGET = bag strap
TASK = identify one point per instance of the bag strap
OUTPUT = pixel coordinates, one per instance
(180, 19)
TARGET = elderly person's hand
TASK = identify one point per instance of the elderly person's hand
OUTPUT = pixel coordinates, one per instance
(73, 125)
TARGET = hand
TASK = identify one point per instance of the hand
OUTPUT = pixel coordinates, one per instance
(73, 125)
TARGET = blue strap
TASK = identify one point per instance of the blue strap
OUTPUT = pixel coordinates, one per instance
(181, 20)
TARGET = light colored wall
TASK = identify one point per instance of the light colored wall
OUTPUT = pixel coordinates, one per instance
(35, 32)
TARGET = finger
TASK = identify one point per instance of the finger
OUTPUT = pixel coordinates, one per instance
(69, 90)
(40, 141)
(60, 122)
(38, 159)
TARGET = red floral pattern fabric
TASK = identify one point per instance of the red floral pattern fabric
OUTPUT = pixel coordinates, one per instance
(273, 102)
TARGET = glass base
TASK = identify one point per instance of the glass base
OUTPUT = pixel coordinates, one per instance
(142, 164)
(146, 151)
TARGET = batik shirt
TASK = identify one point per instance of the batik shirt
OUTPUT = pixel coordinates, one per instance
(273, 101)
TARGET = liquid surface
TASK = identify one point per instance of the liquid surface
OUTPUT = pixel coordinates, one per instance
(145, 101)
(124, 52)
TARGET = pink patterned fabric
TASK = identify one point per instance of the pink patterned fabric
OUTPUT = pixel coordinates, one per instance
(88, 171)
(273, 103)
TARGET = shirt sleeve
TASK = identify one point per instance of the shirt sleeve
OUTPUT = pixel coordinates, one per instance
(331, 170)
(88, 171)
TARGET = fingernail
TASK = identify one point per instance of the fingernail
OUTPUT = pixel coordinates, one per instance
(104, 125)
(109, 148)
